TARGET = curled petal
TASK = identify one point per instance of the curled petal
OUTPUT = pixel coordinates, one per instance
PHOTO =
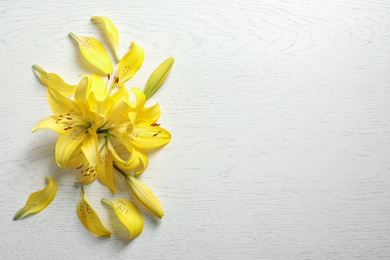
(111, 31)
(89, 218)
(128, 214)
(143, 161)
(140, 97)
(150, 114)
(88, 173)
(130, 63)
(145, 196)
(158, 76)
(51, 123)
(52, 80)
(94, 52)
(147, 135)
(38, 200)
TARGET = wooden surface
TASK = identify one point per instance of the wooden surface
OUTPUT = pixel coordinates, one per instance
(280, 120)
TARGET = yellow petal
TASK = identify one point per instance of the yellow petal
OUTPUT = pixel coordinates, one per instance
(128, 214)
(38, 200)
(94, 52)
(67, 144)
(140, 97)
(52, 80)
(133, 160)
(104, 167)
(51, 123)
(158, 76)
(88, 173)
(145, 196)
(143, 159)
(130, 63)
(149, 135)
(90, 147)
(59, 104)
(150, 114)
(82, 93)
(89, 218)
(111, 31)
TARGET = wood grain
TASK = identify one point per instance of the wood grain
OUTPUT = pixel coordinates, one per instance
(280, 120)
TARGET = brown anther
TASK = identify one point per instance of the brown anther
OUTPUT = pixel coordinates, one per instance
(154, 124)
(116, 80)
(108, 76)
(69, 118)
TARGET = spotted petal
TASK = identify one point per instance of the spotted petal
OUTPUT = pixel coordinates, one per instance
(111, 32)
(128, 214)
(52, 80)
(158, 76)
(149, 135)
(130, 63)
(38, 200)
(104, 167)
(89, 218)
(94, 52)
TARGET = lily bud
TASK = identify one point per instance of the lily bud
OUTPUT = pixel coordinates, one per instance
(145, 196)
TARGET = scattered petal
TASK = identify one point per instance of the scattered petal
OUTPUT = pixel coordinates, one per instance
(111, 31)
(128, 214)
(130, 63)
(158, 76)
(88, 216)
(95, 53)
(52, 80)
(38, 200)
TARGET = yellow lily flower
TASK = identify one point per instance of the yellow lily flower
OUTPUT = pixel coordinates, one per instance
(75, 123)
(88, 216)
(38, 200)
(128, 214)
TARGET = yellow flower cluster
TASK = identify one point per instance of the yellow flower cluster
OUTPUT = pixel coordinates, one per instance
(101, 130)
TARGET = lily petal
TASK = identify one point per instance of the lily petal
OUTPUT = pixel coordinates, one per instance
(140, 97)
(51, 123)
(133, 160)
(150, 114)
(104, 167)
(130, 63)
(128, 214)
(94, 52)
(90, 147)
(66, 145)
(149, 135)
(52, 80)
(82, 93)
(158, 76)
(38, 200)
(88, 173)
(111, 31)
(143, 159)
(59, 104)
(145, 196)
(89, 218)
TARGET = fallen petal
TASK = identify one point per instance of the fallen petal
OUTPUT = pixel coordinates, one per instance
(89, 218)
(128, 214)
(38, 200)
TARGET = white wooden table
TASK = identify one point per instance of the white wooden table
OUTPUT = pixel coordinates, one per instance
(280, 120)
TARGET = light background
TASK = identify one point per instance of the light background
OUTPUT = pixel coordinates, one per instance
(280, 120)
